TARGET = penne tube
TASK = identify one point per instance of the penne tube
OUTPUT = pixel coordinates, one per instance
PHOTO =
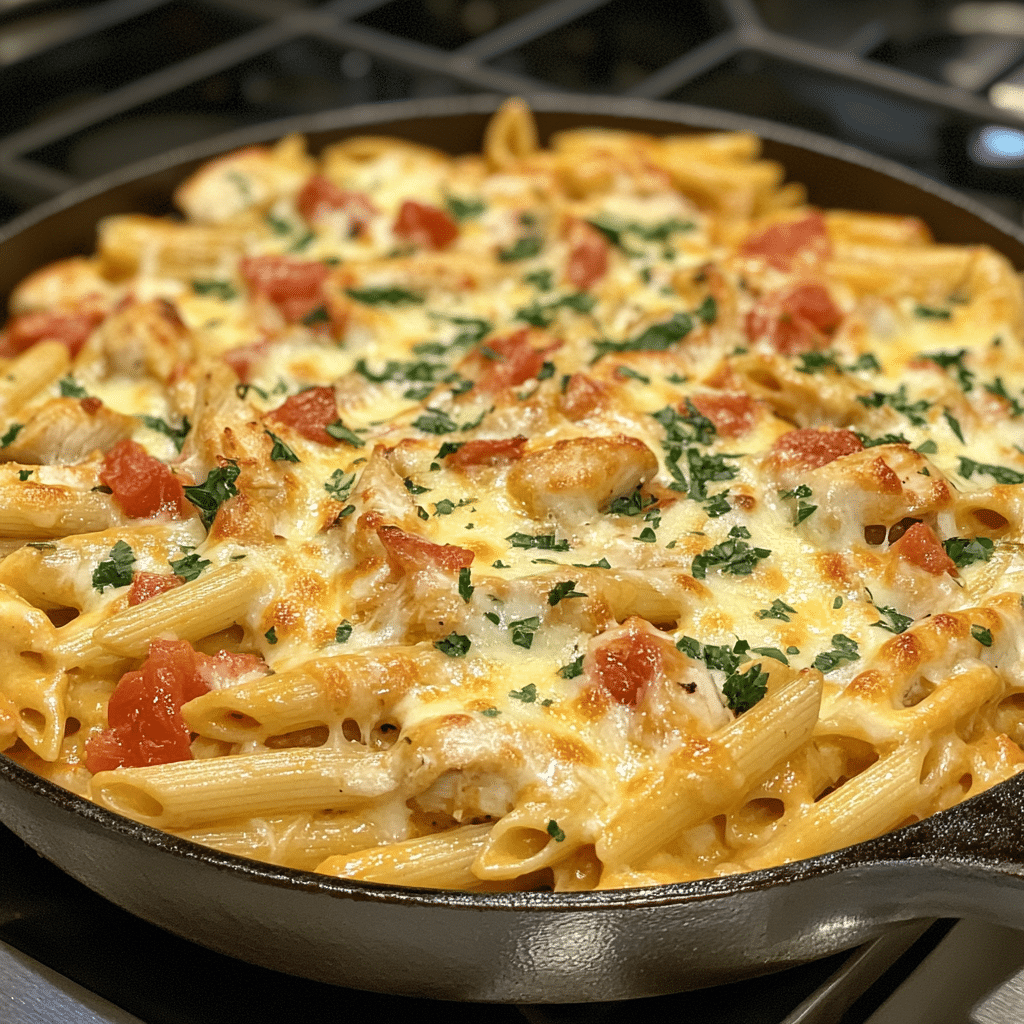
(443, 860)
(214, 601)
(28, 373)
(187, 793)
(873, 802)
(702, 777)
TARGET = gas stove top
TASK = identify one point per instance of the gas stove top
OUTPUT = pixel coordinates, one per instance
(86, 88)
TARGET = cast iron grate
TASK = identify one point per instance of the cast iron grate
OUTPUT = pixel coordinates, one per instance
(86, 88)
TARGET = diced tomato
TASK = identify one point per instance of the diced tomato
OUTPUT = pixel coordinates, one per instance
(70, 329)
(91, 404)
(425, 226)
(148, 584)
(243, 358)
(294, 286)
(809, 448)
(581, 397)
(410, 553)
(781, 243)
(145, 725)
(733, 413)
(320, 195)
(588, 258)
(510, 361)
(144, 712)
(309, 412)
(922, 548)
(488, 452)
(142, 486)
(800, 320)
(625, 665)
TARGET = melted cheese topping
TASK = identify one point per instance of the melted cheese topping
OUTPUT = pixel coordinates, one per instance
(662, 526)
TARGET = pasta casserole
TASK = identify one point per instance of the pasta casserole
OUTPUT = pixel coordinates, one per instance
(584, 516)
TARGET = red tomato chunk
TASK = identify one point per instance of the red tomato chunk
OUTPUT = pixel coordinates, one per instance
(309, 412)
(781, 243)
(319, 196)
(733, 413)
(294, 286)
(809, 448)
(149, 584)
(511, 361)
(626, 665)
(142, 486)
(800, 320)
(488, 452)
(410, 553)
(922, 548)
(145, 725)
(588, 258)
(70, 329)
(425, 226)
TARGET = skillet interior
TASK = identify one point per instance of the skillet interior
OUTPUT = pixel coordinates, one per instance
(527, 947)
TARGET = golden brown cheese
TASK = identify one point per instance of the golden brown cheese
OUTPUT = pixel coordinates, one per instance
(592, 516)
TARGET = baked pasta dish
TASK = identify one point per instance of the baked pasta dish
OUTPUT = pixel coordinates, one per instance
(590, 516)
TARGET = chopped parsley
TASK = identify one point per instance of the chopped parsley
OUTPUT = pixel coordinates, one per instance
(541, 541)
(522, 631)
(189, 567)
(982, 635)
(656, 338)
(966, 551)
(24, 474)
(954, 424)
(632, 504)
(734, 556)
(932, 313)
(573, 669)
(319, 315)
(217, 289)
(413, 488)
(70, 388)
(874, 442)
(339, 484)
(117, 570)
(528, 694)
(464, 209)
(280, 452)
(1001, 474)
(562, 592)
(384, 296)
(340, 432)
(522, 249)
(953, 361)
(271, 635)
(466, 588)
(778, 610)
(555, 832)
(817, 362)
(717, 505)
(343, 632)
(161, 426)
(998, 389)
(742, 690)
(898, 400)
(490, 712)
(542, 314)
(455, 645)
(843, 650)
(12, 433)
(214, 491)
(896, 623)
(435, 421)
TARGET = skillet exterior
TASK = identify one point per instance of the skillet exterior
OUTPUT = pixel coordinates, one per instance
(527, 947)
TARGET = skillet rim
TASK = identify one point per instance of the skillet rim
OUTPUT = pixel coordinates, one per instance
(907, 845)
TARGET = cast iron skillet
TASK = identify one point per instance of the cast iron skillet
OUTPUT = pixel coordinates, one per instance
(528, 947)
